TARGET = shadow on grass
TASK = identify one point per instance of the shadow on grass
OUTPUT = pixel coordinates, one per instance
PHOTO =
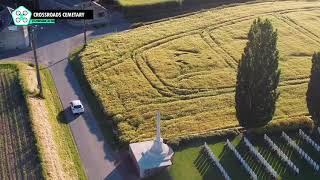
(164, 175)
(231, 164)
(206, 167)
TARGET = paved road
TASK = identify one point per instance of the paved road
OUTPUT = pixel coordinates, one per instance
(55, 42)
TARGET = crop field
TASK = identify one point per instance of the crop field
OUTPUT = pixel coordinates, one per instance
(191, 163)
(186, 68)
(142, 2)
(18, 151)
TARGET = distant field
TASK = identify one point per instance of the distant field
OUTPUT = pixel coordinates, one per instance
(142, 2)
(186, 68)
(18, 151)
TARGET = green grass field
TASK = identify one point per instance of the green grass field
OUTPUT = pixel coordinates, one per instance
(18, 151)
(186, 67)
(191, 163)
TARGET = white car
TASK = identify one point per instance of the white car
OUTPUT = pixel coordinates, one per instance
(76, 107)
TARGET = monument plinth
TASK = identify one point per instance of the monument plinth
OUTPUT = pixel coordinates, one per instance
(151, 156)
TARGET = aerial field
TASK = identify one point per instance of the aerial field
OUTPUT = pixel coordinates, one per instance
(18, 151)
(142, 2)
(186, 68)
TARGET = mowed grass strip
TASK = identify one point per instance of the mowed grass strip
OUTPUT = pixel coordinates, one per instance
(18, 150)
(186, 68)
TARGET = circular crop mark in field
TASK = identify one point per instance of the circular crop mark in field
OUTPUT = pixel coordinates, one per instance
(197, 63)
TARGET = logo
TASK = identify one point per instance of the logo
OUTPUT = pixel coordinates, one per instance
(21, 16)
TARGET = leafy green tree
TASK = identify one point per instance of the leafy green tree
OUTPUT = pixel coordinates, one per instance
(258, 76)
(313, 92)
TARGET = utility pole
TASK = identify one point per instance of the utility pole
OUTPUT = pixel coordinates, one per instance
(84, 27)
(33, 44)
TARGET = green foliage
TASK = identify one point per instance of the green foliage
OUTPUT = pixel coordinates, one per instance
(289, 124)
(313, 92)
(199, 139)
(258, 76)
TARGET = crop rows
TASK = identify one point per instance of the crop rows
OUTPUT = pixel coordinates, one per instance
(18, 152)
(189, 73)
(163, 87)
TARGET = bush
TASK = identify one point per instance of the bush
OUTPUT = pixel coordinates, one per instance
(290, 124)
(199, 139)
(118, 118)
(275, 126)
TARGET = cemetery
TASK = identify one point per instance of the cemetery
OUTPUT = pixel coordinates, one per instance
(286, 155)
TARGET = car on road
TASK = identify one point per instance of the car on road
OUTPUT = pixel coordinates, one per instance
(76, 107)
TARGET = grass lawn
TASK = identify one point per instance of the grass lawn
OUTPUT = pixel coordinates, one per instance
(186, 67)
(190, 163)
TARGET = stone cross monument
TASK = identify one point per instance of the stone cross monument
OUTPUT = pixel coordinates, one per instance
(151, 156)
(159, 149)
(158, 137)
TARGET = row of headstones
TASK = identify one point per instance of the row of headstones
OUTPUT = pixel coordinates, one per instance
(267, 166)
(309, 140)
(283, 156)
(242, 161)
(300, 151)
(262, 160)
(216, 161)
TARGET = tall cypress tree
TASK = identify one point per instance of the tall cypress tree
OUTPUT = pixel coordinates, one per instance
(258, 76)
(313, 92)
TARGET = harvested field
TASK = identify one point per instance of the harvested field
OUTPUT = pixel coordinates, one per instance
(18, 150)
(186, 68)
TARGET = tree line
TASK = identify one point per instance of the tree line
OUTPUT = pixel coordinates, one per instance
(259, 75)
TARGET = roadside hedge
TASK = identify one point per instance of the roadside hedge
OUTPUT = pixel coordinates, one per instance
(274, 127)
(290, 124)
(199, 139)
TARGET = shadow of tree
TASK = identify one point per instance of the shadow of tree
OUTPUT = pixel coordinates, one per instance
(313, 95)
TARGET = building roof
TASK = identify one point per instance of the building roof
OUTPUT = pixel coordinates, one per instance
(5, 18)
(71, 3)
(141, 152)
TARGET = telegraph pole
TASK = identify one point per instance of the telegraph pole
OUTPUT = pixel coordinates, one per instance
(84, 27)
(33, 44)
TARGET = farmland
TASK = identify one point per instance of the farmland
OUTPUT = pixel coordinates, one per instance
(18, 151)
(142, 2)
(186, 67)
